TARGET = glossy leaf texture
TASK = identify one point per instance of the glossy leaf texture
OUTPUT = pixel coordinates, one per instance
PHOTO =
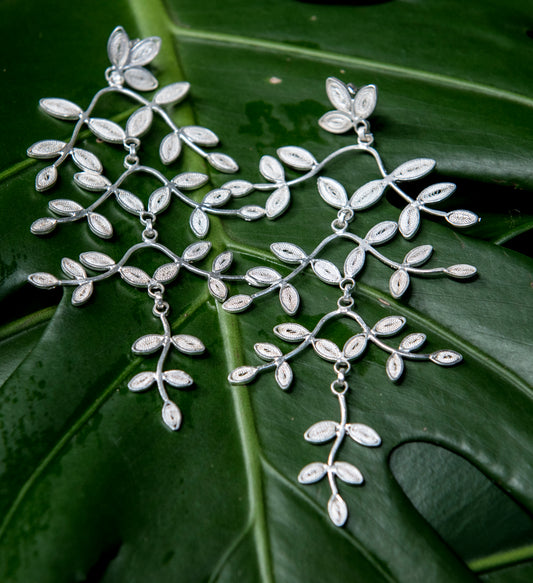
(93, 485)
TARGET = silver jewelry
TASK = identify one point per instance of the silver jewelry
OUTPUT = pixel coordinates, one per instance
(128, 75)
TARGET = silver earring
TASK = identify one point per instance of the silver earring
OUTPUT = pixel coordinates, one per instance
(128, 76)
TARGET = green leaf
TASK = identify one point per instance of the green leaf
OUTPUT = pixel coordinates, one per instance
(93, 486)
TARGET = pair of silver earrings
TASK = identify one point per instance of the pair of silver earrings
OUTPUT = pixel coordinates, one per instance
(129, 77)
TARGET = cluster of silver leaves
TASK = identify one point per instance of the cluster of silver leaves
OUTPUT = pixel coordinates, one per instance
(126, 76)
(352, 108)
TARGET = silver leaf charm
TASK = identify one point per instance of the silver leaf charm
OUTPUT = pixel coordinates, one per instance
(363, 434)
(190, 180)
(312, 473)
(332, 192)
(389, 325)
(199, 222)
(140, 78)
(461, 270)
(159, 200)
(436, 192)
(462, 218)
(46, 149)
(61, 108)
(409, 221)
(134, 276)
(277, 202)
(335, 122)
(91, 181)
(141, 382)
(222, 162)
(413, 169)
(354, 262)
(321, 432)
(107, 130)
(242, 375)
(355, 346)
(96, 260)
(86, 160)
(166, 273)
(217, 288)
(284, 375)
(170, 148)
(148, 344)
(172, 94)
(412, 341)
(289, 299)
(271, 169)
(367, 195)
(446, 357)
(237, 304)
(348, 473)
(291, 332)
(398, 283)
(326, 271)
(200, 135)
(99, 225)
(46, 178)
(382, 232)
(73, 268)
(171, 415)
(394, 366)
(43, 226)
(177, 378)
(267, 351)
(188, 344)
(327, 349)
(44, 280)
(288, 252)
(337, 510)
(196, 251)
(129, 202)
(418, 255)
(82, 293)
(139, 122)
(297, 157)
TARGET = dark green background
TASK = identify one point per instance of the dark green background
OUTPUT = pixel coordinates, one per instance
(93, 487)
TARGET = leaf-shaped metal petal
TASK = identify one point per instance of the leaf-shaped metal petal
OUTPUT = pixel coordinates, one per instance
(335, 122)
(118, 47)
(355, 346)
(46, 178)
(60, 108)
(140, 79)
(365, 101)
(461, 270)
(199, 222)
(354, 262)
(436, 192)
(327, 349)
(238, 187)
(107, 130)
(446, 357)
(368, 194)
(462, 218)
(277, 202)
(141, 381)
(418, 255)
(171, 415)
(166, 272)
(96, 260)
(413, 341)
(363, 434)
(170, 148)
(394, 366)
(382, 232)
(288, 252)
(338, 94)
(188, 344)
(129, 202)
(297, 157)
(271, 169)
(222, 261)
(148, 343)
(42, 279)
(172, 93)
(251, 212)
(159, 200)
(267, 351)
(99, 225)
(321, 432)
(177, 378)
(200, 135)
(413, 169)
(145, 50)
(348, 473)
(43, 226)
(237, 303)
(86, 160)
(398, 283)
(139, 122)
(326, 271)
(73, 268)
(196, 251)
(190, 180)
(332, 192)
(222, 162)
(45, 149)
(291, 332)
(134, 276)
(389, 325)
(262, 276)
(289, 299)
(312, 473)
(337, 510)
(217, 288)
(242, 375)
(217, 197)
(91, 181)
(409, 221)
(82, 293)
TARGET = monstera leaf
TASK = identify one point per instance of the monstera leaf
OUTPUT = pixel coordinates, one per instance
(94, 487)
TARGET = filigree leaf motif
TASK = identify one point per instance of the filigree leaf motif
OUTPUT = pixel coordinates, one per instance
(412, 341)
(86, 160)
(365, 101)
(46, 178)
(289, 299)
(170, 148)
(166, 273)
(267, 351)
(61, 108)
(140, 78)
(288, 252)
(43, 226)
(107, 130)
(462, 270)
(178, 378)
(446, 357)
(332, 192)
(91, 181)
(222, 162)
(262, 276)
(354, 262)
(188, 344)
(436, 192)
(335, 122)
(129, 202)
(355, 346)
(200, 135)
(139, 122)
(409, 221)
(321, 432)
(327, 349)
(144, 51)
(284, 375)
(199, 222)
(297, 158)
(171, 415)
(141, 381)
(217, 197)
(271, 169)
(363, 434)
(277, 202)
(118, 47)
(65, 207)
(159, 200)
(326, 271)
(348, 473)
(82, 293)
(338, 94)
(242, 374)
(238, 303)
(44, 280)
(96, 260)
(312, 473)
(223, 261)
(172, 94)
(418, 255)
(99, 225)
(46, 149)
(196, 251)
(462, 218)
(337, 510)
(413, 169)
(190, 180)
(399, 283)
(134, 276)
(251, 212)
(217, 288)
(73, 268)
(382, 232)
(291, 332)
(148, 344)
(368, 194)
(238, 188)
(394, 366)
(389, 326)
